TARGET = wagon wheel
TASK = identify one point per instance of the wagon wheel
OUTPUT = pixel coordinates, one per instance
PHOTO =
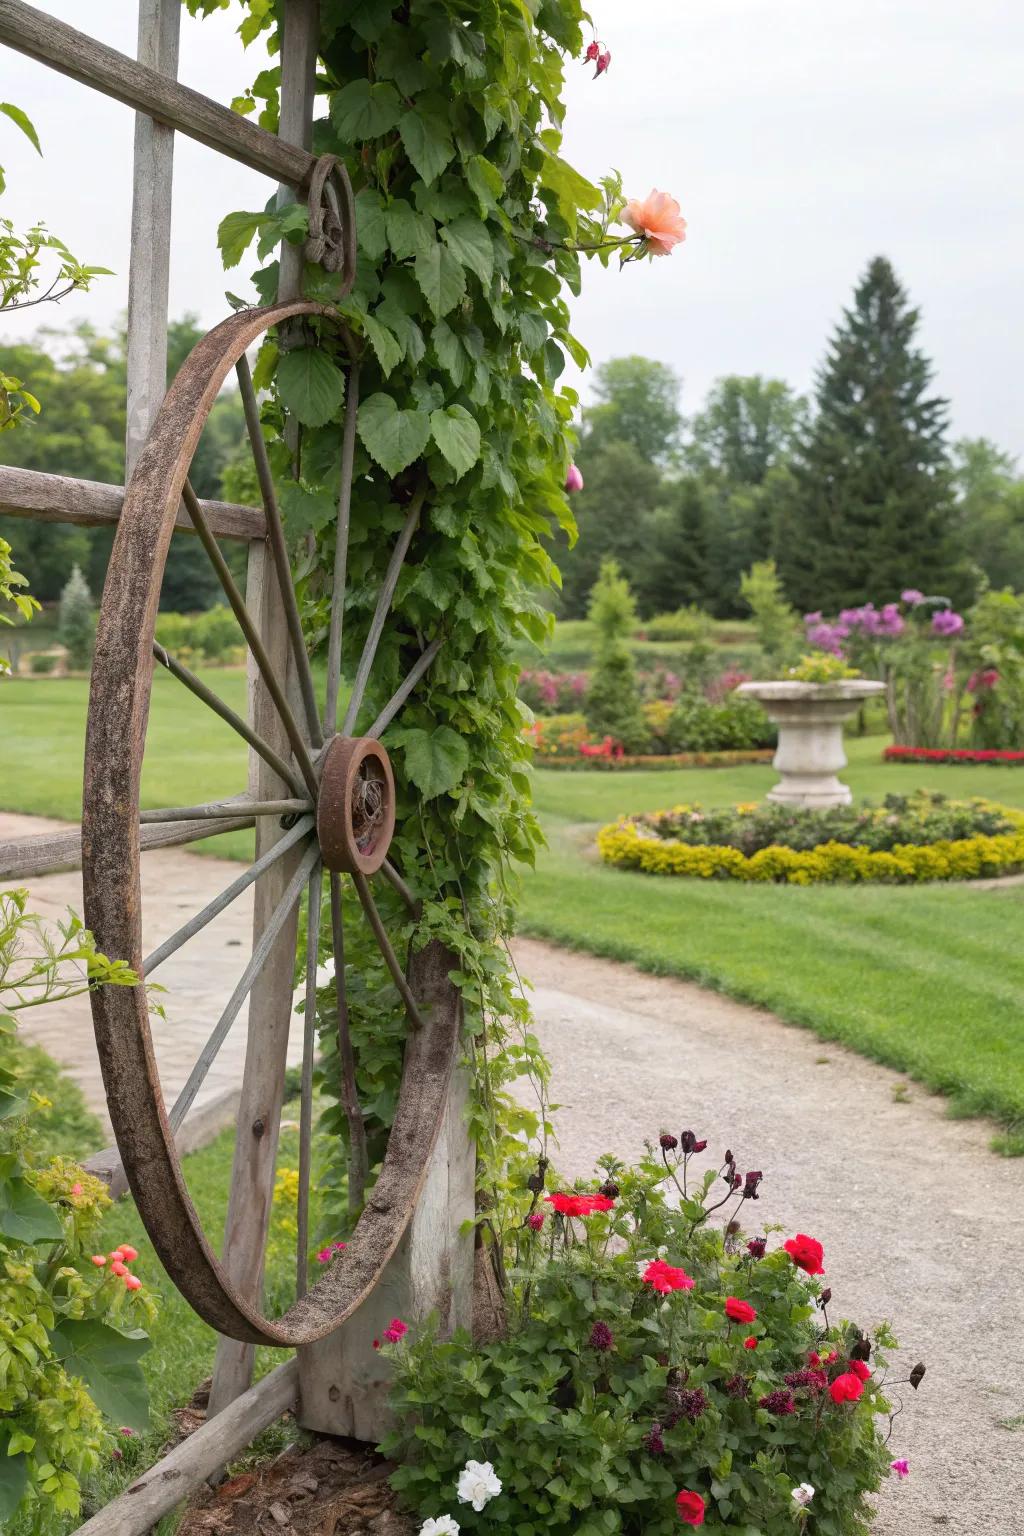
(336, 810)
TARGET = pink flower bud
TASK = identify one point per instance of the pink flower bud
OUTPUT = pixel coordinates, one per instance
(128, 1253)
(592, 52)
(99, 1259)
(117, 1268)
(603, 60)
(76, 1189)
(535, 1220)
(573, 480)
(131, 1282)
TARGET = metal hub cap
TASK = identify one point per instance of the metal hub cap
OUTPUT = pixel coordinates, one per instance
(355, 810)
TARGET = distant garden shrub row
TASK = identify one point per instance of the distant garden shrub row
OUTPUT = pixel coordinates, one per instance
(952, 755)
(919, 838)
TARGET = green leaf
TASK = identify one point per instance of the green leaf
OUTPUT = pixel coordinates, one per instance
(370, 18)
(363, 111)
(448, 351)
(485, 180)
(310, 385)
(409, 233)
(370, 223)
(13, 1475)
(458, 437)
(427, 143)
(305, 510)
(533, 328)
(17, 116)
(108, 1362)
(441, 278)
(25, 1216)
(434, 760)
(393, 437)
(389, 352)
(404, 328)
(234, 235)
(469, 243)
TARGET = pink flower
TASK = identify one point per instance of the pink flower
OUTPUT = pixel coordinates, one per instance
(324, 1256)
(664, 1278)
(99, 1259)
(573, 480)
(129, 1434)
(901, 1468)
(131, 1282)
(603, 60)
(76, 1189)
(535, 1220)
(128, 1253)
(593, 50)
(395, 1331)
(117, 1268)
(658, 219)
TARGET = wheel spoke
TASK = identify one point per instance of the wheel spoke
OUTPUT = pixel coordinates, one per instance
(227, 714)
(196, 1078)
(358, 1160)
(348, 448)
(384, 945)
(278, 547)
(306, 1097)
(401, 693)
(251, 633)
(387, 592)
(225, 810)
(195, 924)
(393, 878)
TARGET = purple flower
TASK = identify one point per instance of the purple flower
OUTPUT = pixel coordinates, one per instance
(601, 1337)
(901, 1468)
(737, 1386)
(892, 623)
(653, 1441)
(692, 1404)
(756, 1247)
(779, 1403)
(912, 596)
(573, 479)
(947, 623)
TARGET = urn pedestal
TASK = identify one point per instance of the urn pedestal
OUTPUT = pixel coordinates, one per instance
(810, 719)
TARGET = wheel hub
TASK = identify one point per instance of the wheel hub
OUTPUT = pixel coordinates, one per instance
(355, 811)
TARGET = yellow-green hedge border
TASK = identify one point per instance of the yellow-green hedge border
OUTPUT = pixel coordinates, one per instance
(969, 858)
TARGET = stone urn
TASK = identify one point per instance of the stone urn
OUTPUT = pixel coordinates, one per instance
(810, 720)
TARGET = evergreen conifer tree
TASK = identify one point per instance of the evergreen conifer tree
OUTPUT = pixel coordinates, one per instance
(613, 703)
(76, 628)
(873, 510)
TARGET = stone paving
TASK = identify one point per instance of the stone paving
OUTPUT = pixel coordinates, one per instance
(199, 978)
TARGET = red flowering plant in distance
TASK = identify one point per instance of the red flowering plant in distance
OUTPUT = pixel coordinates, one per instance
(667, 1362)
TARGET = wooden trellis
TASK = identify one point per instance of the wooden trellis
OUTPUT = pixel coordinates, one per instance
(319, 799)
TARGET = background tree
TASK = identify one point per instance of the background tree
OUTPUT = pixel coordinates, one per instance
(990, 503)
(637, 402)
(674, 570)
(613, 699)
(76, 624)
(873, 508)
(776, 621)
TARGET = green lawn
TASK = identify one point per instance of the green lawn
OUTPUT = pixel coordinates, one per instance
(928, 980)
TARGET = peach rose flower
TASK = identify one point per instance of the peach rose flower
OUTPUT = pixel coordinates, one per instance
(658, 219)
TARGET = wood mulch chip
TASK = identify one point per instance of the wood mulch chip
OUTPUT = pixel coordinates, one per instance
(327, 1488)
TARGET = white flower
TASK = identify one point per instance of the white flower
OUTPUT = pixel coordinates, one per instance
(478, 1484)
(444, 1525)
(803, 1495)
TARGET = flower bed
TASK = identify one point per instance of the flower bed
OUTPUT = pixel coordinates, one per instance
(952, 755)
(603, 762)
(905, 841)
(658, 1372)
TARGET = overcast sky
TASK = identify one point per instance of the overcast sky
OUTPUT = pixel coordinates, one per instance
(801, 138)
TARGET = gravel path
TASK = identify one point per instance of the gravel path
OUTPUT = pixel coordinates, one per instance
(921, 1223)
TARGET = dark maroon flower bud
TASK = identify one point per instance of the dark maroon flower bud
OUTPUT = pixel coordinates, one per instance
(738, 1386)
(699, 1146)
(753, 1179)
(861, 1350)
(728, 1158)
(687, 1140)
(692, 1404)
(917, 1375)
(737, 1180)
(779, 1403)
(603, 60)
(653, 1443)
(826, 1296)
(611, 1189)
(535, 1183)
(668, 1142)
(732, 1229)
(757, 1246)
(593, 50)
(601, 1337)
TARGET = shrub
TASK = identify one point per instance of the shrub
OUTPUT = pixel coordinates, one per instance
(821, 668)
(42, 662)
(551, 693)
(905, 841)
(613, 706)
(689, 624)
(557, 735)
(70, 1335)
(775, 620)
(211, 636)
(652, 1369)
(76, 625)
(737, 723)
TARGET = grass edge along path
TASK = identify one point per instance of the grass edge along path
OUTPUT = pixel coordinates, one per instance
(925, 981)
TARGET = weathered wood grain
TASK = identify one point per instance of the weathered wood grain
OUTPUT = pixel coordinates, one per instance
(51, 853)
(92, 504)
(32, 32)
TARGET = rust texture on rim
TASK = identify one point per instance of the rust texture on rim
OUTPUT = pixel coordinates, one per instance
(115, 741)
(355, 817)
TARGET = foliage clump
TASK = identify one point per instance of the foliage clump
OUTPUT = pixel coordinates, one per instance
(76, 624)
(613, 703)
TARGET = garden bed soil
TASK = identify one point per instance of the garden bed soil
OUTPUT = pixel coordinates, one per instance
(324, 1488)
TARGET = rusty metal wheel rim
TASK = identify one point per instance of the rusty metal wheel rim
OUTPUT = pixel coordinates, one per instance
(115, 743)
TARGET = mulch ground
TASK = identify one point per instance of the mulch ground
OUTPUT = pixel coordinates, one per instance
(327, 1488)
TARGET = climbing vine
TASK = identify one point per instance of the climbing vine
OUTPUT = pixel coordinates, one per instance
(447, 116)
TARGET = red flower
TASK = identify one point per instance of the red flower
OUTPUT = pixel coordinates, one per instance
(580, 1205)
(860, 1369)
(690, 1507)
(750, 1343)
(806, 1253)
(663, 1277)
(738, 1311)
(846, 1388)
